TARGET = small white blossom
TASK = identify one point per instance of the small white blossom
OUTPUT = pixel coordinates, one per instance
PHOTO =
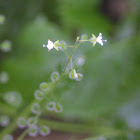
(99, 39)
(50, 45)
(55, 76)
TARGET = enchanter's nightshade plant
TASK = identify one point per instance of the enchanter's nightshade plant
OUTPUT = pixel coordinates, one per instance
(31, 119)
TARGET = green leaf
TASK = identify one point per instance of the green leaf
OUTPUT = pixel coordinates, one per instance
(78, 37)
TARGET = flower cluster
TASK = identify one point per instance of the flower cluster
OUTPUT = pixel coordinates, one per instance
(83, 38)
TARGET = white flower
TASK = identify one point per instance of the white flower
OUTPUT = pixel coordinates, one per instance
(50, 45)
(99, 39)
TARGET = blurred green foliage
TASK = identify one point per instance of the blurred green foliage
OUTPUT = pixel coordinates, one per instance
(110, 85)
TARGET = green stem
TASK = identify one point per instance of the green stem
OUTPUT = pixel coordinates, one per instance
(70, 46)
(84, 40)
(23, 134)
(70, 57)
(66, 54)
(71, 62)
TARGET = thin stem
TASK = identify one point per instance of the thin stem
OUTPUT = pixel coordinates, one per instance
(71, 62)
(23, 134)
(70, 46)
(84, 40)
(66, 54)
(70, 57)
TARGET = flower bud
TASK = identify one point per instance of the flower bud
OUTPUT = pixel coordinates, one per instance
(44, 86)
(31, 121)
(58, 107)
(73, 74)
(35, 108)
(39, 95)
(83, 37)
(55, 76)
(80, 76)
(44, 130)
(33, 131)
(21, 123)
(51, 106)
